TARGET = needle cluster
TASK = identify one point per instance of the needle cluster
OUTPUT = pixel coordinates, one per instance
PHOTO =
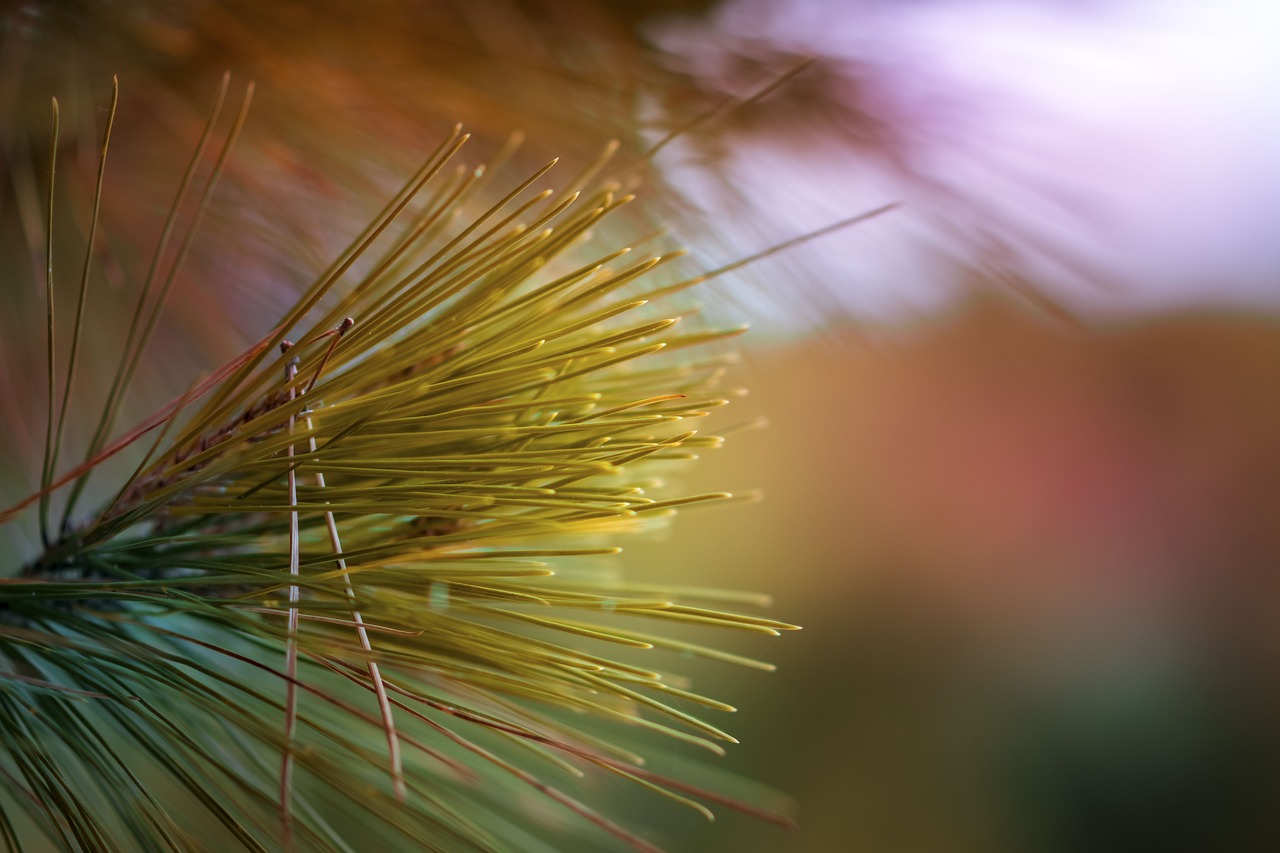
(358, 592)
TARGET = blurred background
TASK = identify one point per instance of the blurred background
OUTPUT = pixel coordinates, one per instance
(1020, 472)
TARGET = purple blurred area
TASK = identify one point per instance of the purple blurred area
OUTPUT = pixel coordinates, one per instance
(1021, 473)
(1123, 154)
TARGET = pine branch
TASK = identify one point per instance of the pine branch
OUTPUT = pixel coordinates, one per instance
(380, 553)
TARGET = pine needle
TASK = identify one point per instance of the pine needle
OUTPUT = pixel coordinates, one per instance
(46, 469)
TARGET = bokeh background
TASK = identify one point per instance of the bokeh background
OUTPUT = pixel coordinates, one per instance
(1020, 466)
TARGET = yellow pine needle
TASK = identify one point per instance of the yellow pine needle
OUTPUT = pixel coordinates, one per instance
(362, 633)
